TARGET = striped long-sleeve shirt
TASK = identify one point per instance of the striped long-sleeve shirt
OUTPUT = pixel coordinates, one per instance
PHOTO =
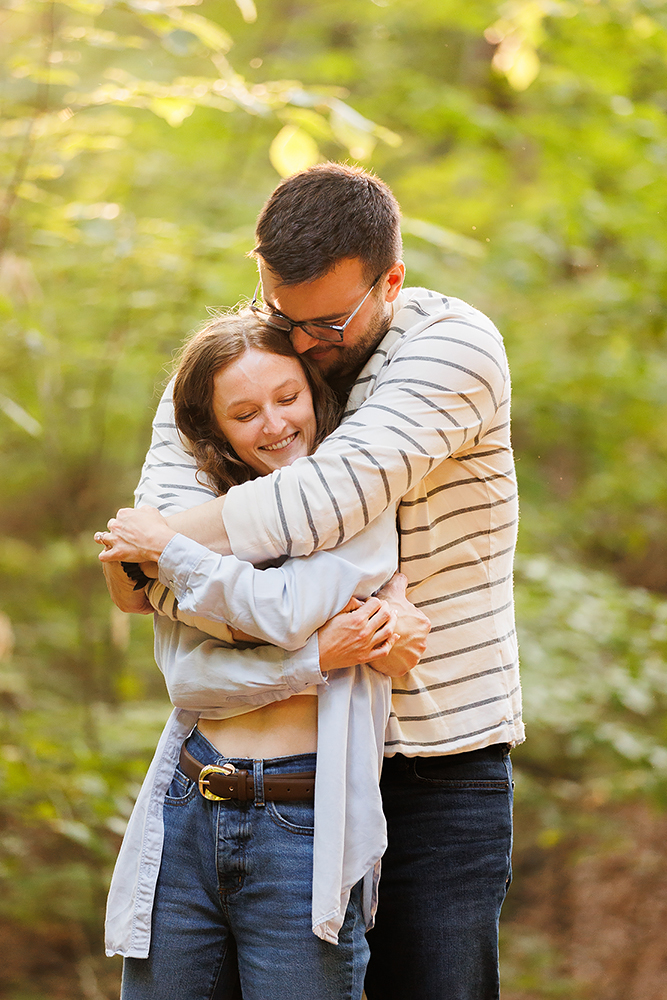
(428, 422)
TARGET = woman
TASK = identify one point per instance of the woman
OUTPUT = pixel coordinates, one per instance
(248, 404)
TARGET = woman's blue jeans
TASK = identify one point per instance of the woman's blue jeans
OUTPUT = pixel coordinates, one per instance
(233, 902)
(444, 877)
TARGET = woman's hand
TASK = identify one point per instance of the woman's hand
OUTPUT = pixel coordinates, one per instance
(134, 535)
(360, 633)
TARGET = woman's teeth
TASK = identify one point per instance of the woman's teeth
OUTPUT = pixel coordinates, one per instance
(279, 444)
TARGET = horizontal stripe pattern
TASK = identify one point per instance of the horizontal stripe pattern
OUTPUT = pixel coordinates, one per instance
(457, 524)
(434, 432)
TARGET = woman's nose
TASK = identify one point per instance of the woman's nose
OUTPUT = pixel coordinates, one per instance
(274, 421)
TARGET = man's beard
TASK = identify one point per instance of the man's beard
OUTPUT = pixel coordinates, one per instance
(342, 368)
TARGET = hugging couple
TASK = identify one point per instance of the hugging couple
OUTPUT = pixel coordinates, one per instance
(339, 440)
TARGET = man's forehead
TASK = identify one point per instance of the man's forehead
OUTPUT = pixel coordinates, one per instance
(343, 281)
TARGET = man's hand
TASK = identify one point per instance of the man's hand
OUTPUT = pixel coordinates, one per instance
(412, 626)
(122, 592)
(135, 535)
(360, 633)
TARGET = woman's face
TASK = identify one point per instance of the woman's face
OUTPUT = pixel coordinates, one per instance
(264, 408)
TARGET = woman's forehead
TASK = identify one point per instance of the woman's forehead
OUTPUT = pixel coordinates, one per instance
(257, 373)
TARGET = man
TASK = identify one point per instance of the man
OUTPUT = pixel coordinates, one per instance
(427, 395)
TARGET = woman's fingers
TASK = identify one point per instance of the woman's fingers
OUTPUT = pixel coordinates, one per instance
(134, 535)
(370, 607)
(373, 616)
(358, 636)
(385, 631)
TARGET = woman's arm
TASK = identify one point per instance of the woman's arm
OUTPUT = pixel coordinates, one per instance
(202, 673)
(281, 605)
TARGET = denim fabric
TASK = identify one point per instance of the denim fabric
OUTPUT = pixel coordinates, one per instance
(444, 877)
(234, 891)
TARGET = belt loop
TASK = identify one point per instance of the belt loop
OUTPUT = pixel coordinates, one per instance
(258, 781)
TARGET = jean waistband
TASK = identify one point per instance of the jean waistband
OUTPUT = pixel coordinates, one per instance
(496, 751)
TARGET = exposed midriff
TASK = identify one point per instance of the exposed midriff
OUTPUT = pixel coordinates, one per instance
(276, 730)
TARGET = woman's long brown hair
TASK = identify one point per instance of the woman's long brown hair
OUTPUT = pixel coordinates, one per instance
(217, 345)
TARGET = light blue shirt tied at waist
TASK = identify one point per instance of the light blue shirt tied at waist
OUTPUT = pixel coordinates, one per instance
(288, 601)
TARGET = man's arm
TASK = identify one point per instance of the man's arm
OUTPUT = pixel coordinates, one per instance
(281, 605)
(435, 398)
(122, 592)
(168, 478)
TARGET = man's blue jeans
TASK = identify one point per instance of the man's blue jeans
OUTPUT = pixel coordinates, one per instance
(234, 892)
(444, 877)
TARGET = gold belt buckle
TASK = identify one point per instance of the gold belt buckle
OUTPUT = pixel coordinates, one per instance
(214, 769)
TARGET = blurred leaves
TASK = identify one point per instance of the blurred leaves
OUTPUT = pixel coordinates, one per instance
(527, 144)
(594, 656)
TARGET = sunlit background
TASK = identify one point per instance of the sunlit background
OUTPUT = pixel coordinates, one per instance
(527, 144)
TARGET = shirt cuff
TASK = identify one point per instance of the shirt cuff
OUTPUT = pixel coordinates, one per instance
(179, 558)
(301, 668)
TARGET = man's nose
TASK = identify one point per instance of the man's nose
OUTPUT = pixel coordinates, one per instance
(301, 342)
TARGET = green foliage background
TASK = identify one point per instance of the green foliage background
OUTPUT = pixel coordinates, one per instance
(527, 144)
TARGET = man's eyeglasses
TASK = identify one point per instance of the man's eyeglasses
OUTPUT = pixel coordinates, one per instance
(331, 332)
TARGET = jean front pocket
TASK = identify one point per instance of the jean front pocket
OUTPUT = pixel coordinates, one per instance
(296, 817)
(480, 771)
(182, 789)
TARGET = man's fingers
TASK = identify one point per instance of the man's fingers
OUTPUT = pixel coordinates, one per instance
(395, 588)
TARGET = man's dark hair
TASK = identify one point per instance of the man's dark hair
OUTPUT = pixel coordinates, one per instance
(320, 216)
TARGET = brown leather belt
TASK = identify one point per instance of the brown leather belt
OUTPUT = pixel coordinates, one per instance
(225, 782)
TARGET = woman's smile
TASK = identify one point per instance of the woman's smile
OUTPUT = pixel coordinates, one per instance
(280, 444)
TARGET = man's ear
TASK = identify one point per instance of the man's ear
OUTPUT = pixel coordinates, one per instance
(393, 281)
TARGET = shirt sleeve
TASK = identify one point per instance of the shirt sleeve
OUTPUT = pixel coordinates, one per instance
(169, 474)
(203, 673)
(281, 605)
(435, 397)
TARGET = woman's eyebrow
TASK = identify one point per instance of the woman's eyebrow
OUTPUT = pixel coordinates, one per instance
(278, 388)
